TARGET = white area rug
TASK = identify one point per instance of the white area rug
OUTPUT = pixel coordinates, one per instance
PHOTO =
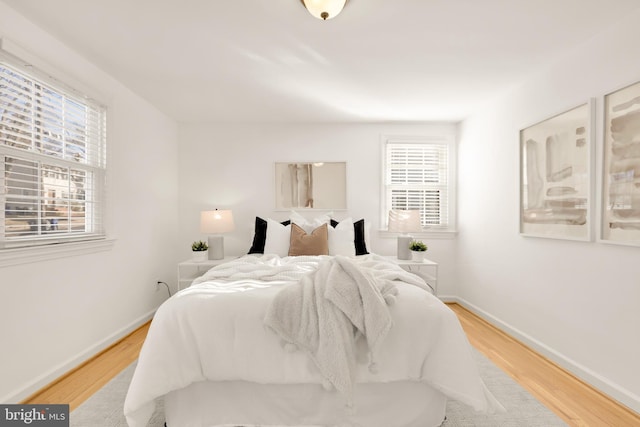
(104, 409)
(523, 410)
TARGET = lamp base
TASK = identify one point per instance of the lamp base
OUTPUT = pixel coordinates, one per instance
(216, 247)
(403, 247)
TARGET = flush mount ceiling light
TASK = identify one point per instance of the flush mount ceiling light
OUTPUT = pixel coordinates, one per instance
(324, 9)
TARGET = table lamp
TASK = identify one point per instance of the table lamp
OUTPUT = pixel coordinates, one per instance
(404, 222)
(214, 223)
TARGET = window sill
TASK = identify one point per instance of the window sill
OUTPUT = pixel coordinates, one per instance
(33, 254)
(432, 234)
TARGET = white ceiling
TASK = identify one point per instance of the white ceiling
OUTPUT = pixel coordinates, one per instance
(270, 61)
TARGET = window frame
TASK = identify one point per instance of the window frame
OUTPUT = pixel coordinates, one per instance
(448, 138)
(39, 247)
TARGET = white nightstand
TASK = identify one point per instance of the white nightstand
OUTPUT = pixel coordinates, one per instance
(189, 270)
(427, 270)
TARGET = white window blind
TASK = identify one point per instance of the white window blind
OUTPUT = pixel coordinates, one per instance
(417, 178)
(52, 159)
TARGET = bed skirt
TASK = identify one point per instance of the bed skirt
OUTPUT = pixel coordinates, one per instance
(239, 403)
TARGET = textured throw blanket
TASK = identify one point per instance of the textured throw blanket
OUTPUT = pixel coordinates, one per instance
(328, 311)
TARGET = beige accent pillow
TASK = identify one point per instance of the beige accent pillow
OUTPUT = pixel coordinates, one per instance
(314, 243)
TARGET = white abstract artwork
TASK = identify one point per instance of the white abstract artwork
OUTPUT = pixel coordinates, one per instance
(555, 176)
(621, 167)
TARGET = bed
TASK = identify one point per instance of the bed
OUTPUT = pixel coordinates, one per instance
(307, 340)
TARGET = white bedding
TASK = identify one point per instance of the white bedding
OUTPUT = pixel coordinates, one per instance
(214, 331)
(226, 404)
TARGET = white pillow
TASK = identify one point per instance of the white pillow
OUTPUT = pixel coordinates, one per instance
(308, 225)
(296, 218)
(278, 237)
(341, 238)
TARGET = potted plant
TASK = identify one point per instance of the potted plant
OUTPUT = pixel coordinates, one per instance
(418, 250)
(199, 250)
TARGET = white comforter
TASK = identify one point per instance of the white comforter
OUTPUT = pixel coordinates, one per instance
(214, 331)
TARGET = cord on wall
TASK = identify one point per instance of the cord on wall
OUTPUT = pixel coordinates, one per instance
(164, 283)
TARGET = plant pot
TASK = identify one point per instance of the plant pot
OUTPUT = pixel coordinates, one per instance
(199, 256)
(418, 256)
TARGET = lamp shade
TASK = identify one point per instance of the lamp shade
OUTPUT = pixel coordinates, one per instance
(324, 9)
(216, 222)
(401, 221)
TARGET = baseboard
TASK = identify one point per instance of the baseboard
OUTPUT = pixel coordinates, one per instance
(613, 390)
(448, 298)
(60, 370)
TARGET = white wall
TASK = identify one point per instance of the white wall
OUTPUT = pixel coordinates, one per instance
(232, 167)
(54, 314)
(577, 302)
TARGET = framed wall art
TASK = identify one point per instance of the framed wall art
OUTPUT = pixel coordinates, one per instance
(621, 167)
(313, 185)
(556, 182)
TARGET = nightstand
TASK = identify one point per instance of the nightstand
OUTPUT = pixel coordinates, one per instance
(189, 270)
(427, 270)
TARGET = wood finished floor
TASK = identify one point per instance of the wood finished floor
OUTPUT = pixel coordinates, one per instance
(572, 400)
(577, 403)
(79, 384)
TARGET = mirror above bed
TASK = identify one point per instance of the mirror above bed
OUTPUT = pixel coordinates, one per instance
(314, 185)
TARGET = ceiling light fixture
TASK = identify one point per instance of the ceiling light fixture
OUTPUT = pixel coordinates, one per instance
(324, 9)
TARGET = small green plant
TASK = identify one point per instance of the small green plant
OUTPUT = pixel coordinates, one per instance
(418, 246)
(199, 246)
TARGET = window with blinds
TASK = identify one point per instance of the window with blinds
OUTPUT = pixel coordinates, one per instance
(52, 159)
(417, 178)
